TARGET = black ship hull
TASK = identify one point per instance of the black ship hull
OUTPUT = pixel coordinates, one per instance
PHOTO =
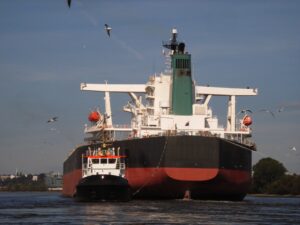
(171, 166)
(103, 188)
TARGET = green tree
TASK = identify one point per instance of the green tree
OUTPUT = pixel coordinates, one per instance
(286, 185)
(266, 171)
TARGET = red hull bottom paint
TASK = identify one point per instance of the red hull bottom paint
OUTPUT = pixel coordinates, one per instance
(201, 183)
(70, 181)
(175, 182)
(191, 174)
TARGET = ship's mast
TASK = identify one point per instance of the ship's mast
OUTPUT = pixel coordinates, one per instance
(172, 44)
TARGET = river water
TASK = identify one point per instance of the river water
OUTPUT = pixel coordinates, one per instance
(52, 208)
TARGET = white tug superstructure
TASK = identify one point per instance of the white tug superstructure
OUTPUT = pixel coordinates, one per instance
(153, 111)
(103, 162)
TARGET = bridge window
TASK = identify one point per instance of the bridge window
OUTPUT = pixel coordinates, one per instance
(95, 161)
(111, 160)
(103, 161)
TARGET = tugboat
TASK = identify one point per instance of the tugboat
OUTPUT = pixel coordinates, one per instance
(174, 146)
(103, 172)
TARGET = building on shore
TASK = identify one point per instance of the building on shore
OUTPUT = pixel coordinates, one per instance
(53, 181)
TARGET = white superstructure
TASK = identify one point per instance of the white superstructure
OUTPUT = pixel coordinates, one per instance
(151, 110)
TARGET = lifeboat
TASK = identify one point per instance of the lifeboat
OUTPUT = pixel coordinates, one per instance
(94, 116)
(247, 120)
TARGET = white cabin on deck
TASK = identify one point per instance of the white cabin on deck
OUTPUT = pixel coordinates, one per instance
(102, 162)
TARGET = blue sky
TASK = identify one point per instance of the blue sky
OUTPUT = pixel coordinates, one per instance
(47, 50)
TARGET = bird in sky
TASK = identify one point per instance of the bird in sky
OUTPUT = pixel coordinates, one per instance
(293, 148)
(268, 111)
(69, 3)
(53, 119)
(280, 109)
(245, 111)
(108, 29)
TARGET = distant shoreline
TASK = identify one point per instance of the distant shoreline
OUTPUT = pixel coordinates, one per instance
(274, 195)
(49, 190)
(254, 195)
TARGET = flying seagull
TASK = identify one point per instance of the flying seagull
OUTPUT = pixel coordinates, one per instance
(280, 109)
(268, 111)
(293, 148)
(245, 111)
(69, 3)
(53, 119)
(108, 29)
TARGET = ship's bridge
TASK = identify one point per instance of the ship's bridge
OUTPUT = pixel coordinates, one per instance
(102, 162)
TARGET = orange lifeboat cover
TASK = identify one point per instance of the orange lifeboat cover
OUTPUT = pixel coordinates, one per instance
(247, 121)
(94, 116)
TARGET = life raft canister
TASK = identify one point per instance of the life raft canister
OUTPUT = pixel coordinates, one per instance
(247, 120)
(94, 116)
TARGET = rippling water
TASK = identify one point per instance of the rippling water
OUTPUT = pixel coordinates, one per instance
(52, 208)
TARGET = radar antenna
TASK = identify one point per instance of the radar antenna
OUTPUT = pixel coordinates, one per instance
(173, 44)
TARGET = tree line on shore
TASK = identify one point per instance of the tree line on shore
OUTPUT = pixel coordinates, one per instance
(269, 177)
(24, 183)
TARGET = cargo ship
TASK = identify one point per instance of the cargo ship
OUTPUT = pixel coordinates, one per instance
(174, 146)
